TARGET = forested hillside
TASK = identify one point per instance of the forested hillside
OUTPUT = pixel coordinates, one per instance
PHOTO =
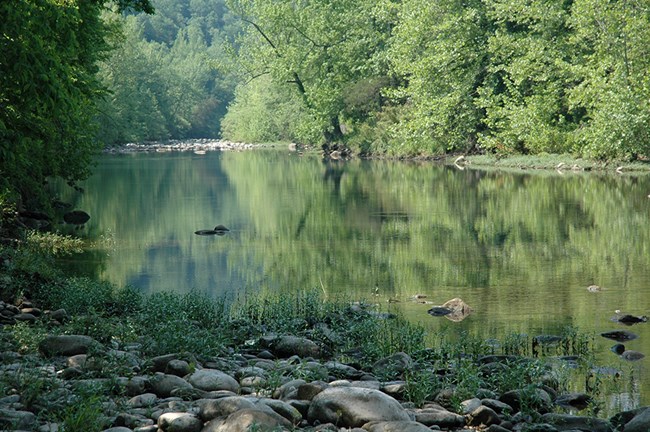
(165, 78)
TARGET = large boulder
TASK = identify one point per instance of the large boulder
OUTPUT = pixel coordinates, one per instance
(164, 385)
(179, 422)
(246, 420)
(66, 345)
(354, 407)
(213, 380)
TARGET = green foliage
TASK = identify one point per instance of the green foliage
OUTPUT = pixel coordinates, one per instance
(318, 48)
(86, 414)
(266, 112)
(497, 76)
(163, 77)
(48, 90)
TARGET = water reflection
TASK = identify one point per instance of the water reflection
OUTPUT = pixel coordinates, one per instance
(521, 249)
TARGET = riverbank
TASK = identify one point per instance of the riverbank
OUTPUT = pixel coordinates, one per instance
(561, 163)
(78, 354)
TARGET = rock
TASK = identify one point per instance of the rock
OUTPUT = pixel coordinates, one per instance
(179, 422)
(308, 391)
(395, 426)
(575, 400)
(66, 345)
(25, 317)
(142, 401)
(284, 409)
(163, 385)
(24, 420)
(118, 429)
(213, 380)
(483, 416)
(246, 420)
(496, 428)
(496, 405)
(178, 367)
(76, 217)
(59, 315)
(566, 422)
(159, 363)
(538, 400)
(287, 346)
(137, 385)
(223, 407)
(353, 407)
(438, 311)
(619, 335)
(288, 390)
(435, 415)
(470, 405)
(459, 309)
(392, 366)
(639, 423)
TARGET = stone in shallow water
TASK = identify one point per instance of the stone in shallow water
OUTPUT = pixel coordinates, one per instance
(566, 422)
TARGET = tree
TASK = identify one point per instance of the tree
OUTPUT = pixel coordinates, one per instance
(440, 50)
(525, 95)
(48, 89)
(318, 47)
(612, 46)
(165, 81)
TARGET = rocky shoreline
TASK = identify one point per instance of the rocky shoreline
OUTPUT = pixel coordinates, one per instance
(198, 146)
(276, 382)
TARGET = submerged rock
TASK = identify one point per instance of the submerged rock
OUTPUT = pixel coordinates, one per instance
(619, 335)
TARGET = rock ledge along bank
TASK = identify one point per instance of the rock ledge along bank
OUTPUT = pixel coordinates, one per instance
(198, 146)
(250, 391)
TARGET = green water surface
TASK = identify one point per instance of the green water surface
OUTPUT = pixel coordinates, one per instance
(519, 248)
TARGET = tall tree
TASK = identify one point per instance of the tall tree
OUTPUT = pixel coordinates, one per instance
(48, 89)
(440, 50)
(525, 94)
(318, 47)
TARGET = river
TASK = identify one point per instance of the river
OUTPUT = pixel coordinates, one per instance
(520, 248)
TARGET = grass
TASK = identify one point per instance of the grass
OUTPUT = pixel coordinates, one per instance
(561, 162)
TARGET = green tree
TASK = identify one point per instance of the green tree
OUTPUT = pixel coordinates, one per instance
(525, 96)
(440, 48)
(165, 81)
(612, 46)
(319, 47)
(48, 89)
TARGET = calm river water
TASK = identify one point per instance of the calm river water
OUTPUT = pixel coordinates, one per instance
(519, 248)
